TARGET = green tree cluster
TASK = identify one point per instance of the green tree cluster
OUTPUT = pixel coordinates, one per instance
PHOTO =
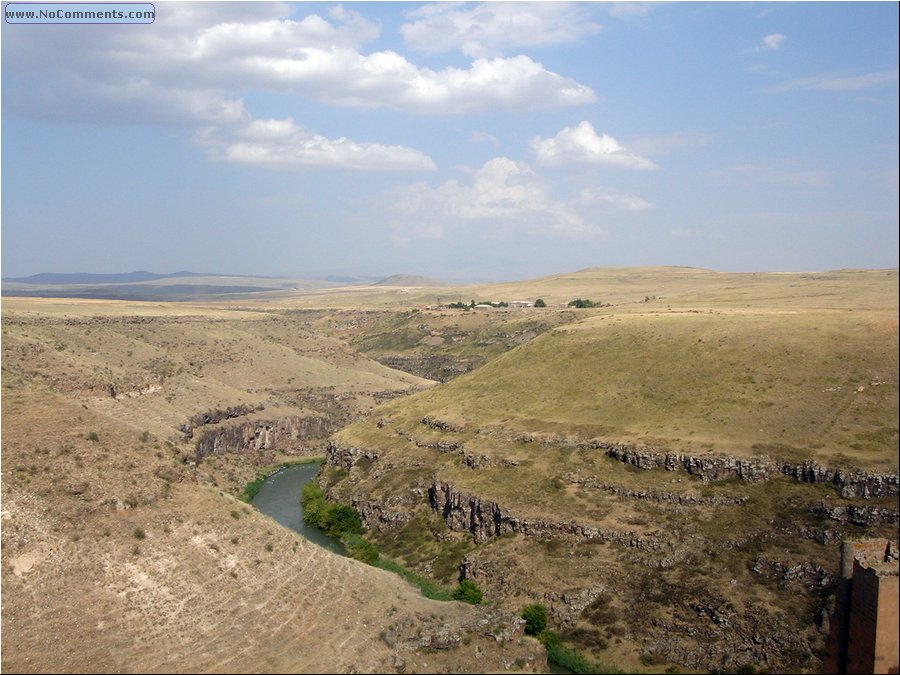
(468, 591)
(361, 548)
(335, 519)
(535, 619)
(579, 303)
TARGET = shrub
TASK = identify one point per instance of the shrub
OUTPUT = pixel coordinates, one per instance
(574, 662)
(361, 549)
(468, 591)
(535, 619)
(313, 500)
(139, 533)
(540, 303)
(570, 660)
(338, 519)
(335, 519)
(578, 303)
(426, 586)
(93, 437)
(549, 639)
(252, 489)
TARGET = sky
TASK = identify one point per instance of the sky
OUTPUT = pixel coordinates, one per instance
(461, 141)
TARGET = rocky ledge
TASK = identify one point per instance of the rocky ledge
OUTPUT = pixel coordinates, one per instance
(652, 495)
(853, 483)
(485, 519)
(284, 433)
(346, 457)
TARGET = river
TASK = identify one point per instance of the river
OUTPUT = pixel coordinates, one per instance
(279, 498)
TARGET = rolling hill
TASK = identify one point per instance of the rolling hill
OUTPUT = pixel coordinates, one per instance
(651, 469)
(670, 473)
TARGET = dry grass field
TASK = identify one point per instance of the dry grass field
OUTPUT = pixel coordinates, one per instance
(806, 385)
(122, 553)
(766, 370)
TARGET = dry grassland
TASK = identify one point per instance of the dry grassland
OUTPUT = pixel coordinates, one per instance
(119, 555)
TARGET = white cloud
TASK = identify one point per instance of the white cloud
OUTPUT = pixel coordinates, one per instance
(316, 57)
(843, 81)
(386, 79)
(772, 42)
(505, 197)
(484, 137)
(169, 103)
(492, 28)
(283, 144)
(277, 37)
(625, 9)
(581, 144)
(605, 200)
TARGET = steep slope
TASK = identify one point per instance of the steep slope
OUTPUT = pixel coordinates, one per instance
(124, 547)
(670, 482)
(441, 345)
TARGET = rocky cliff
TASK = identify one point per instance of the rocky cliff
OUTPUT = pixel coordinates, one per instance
(705, 578)
(851, 483)
(484, 519)
(290, 433)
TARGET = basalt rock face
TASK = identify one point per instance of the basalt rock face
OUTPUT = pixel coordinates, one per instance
(285, 433)
(653, 495)
(442, 425)
(864, 516)
(388, 515)
(727, 641)
(468, 513)
(213, 417)
(683, 589)
(485, 519)
(851, 483)
(344, 457)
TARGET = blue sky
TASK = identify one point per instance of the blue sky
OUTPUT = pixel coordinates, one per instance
(463, 141)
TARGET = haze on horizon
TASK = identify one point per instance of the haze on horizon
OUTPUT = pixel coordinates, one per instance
(465, 142)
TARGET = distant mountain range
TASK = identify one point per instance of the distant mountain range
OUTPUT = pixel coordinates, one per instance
(143, 285)
(46, 278)
(81, 278)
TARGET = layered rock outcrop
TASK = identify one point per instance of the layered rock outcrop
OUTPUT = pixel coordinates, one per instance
(347, 457)
(851, 483)
(485, 519)
(284, 433)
